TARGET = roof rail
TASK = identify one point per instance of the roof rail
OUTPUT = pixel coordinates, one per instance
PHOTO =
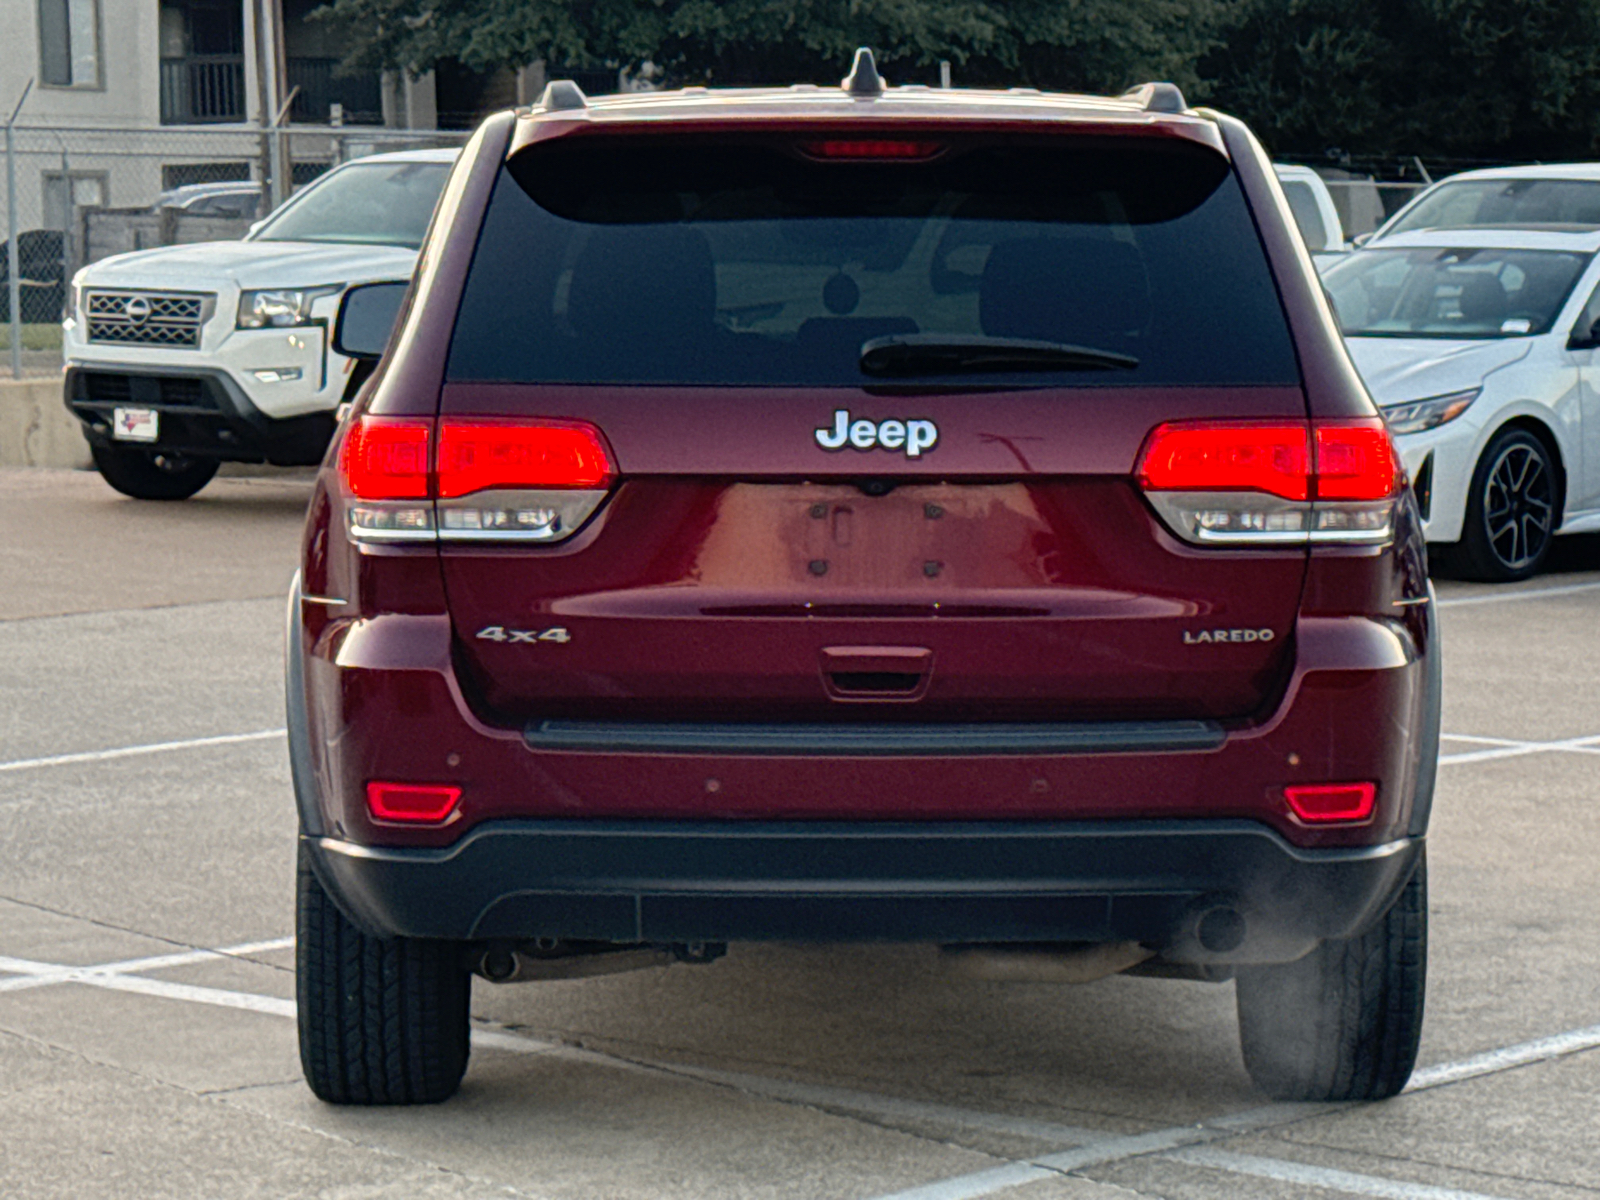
(562, 93)
(1158, 97)
(863, 79)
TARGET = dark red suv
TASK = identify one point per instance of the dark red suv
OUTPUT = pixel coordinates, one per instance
(861, 514)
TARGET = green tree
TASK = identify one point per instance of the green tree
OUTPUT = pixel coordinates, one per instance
(1079, 44)
(1501, 79)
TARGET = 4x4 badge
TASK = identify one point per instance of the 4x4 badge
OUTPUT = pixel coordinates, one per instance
(912, 436)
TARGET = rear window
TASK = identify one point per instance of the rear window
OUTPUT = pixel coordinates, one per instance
(620, 261)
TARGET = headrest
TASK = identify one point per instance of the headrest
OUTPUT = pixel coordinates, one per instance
(633, 278)
(1483, 299)
(1079, 290)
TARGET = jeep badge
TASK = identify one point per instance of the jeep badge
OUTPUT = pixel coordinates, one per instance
(911, 436)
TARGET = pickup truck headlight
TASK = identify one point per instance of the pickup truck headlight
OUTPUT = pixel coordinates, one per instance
(1416, 415)
(277, 308)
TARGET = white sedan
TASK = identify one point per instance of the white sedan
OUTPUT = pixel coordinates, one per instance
(1480, 347)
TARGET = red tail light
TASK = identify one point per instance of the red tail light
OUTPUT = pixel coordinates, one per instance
(1273, 482)
(418, 803)
(1324, 802)
(386, 458)
(1222, 457)
(475, 456)
(867, 149)
(1356, 460)
(490, 479)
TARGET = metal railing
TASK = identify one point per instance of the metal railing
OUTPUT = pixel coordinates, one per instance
(318, 87)
(202, 89)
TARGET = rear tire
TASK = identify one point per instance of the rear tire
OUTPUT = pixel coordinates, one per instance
(1511, 509)
(382, 1020)
(151, 474)
(1343, 1022)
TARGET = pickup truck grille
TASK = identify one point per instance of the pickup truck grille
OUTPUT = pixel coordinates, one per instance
(147, 318)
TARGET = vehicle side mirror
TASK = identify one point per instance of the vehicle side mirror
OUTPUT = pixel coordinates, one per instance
(1361, 239)
(366, 319)
(1585, 339)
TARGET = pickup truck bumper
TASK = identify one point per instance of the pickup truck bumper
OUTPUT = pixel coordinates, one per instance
(202, 413)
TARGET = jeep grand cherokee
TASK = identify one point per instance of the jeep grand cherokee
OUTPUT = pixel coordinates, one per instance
(862, 514)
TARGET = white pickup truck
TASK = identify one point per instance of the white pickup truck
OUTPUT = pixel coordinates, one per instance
(1314, 212)
(184, 357)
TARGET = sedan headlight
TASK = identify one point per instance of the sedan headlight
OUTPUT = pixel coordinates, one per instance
(1416, 415)
(280, 307)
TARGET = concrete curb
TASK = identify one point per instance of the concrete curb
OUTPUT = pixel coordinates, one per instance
(36, 430)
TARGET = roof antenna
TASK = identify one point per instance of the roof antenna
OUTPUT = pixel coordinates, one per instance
(863, 80)
(562, 94)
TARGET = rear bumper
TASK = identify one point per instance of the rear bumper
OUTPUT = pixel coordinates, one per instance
(944, 882)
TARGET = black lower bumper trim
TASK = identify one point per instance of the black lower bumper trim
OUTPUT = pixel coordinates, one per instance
(671, 882)
(875, 739)
(203, 414)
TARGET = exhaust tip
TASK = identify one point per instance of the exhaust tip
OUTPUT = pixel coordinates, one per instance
(1220, 930)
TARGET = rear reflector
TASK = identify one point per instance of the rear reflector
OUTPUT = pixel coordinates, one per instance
(1324, 802)
(386, 458)
(420, 803)
(475, 456)
(1273, 482)
(880, 149)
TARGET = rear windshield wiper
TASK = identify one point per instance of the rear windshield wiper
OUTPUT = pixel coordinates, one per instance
(940, 354)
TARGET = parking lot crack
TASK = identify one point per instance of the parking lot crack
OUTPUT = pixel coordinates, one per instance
(1412, 1160)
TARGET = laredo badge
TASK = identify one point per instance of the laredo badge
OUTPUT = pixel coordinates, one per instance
(1194, 637)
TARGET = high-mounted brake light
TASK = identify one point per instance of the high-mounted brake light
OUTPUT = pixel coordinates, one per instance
(488, 479)
(1322, 803)
(415, 803)
(868, 150)
(1273, 482)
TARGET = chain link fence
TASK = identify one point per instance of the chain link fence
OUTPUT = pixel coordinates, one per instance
(82, 193)
(74, 195)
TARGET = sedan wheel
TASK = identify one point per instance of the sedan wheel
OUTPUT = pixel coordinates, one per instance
(1511, 510)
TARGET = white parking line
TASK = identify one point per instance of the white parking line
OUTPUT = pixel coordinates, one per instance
(1318, 1177)
(62, 760)
(1510, 748)
(30, 974)
(1491, 1062)
(1503, 597)
(1183, 1143)
(979, 1183)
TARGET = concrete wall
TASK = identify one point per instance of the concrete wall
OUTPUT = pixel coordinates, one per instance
(36, 430)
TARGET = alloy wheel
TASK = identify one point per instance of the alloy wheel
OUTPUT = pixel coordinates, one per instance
(1519, 506)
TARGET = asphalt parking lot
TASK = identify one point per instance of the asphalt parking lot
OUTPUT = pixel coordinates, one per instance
(147, 1041)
